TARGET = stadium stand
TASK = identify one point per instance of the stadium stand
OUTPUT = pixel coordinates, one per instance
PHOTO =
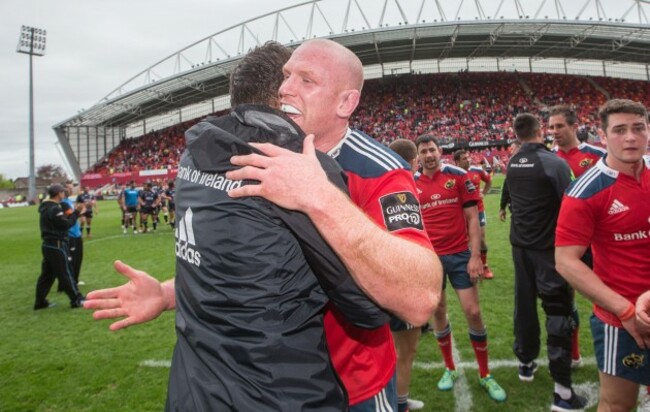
(464, 109)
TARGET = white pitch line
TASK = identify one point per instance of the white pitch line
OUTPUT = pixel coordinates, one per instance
(462, 393)
(461, 389)
(124, 236)
(494, 364)
(589, 390)
(153, 363)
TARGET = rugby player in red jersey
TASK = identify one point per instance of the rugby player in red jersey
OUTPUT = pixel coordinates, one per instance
(448, 199)
(608, 209)
(563, 125)
(380, 237)
(477, 175)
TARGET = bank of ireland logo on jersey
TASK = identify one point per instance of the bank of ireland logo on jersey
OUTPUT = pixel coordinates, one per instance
(185, 241)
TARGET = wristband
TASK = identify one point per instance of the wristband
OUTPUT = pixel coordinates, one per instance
(628, 313)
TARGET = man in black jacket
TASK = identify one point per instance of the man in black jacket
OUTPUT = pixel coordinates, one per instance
(252, 279)
(54, 224)
(537, 180)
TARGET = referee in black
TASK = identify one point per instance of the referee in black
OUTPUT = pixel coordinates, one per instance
(537, 180)
(54, 224)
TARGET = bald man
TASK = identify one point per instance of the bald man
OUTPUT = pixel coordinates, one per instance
(379, 235)
(249, 301)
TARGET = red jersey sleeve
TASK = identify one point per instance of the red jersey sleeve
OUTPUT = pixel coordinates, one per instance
(467, 189)
(485, 176)
(391, 201)
(575, 224)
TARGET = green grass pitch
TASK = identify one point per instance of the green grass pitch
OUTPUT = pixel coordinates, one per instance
(62, 360)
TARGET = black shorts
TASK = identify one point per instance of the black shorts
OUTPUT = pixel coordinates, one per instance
(132, 209)
(88, 214)
(398, 325)
(147, 210)
(172, 205)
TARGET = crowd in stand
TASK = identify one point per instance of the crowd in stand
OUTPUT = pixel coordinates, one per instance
(159, 149)
(454, 107)
(458, 106)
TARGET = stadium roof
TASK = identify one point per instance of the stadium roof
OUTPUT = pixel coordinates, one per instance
(383, 34)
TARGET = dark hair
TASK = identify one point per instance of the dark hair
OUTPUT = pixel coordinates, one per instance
(615, 106)
(526, 126)
(566, 111)
(55, 189)
(458, 154)
(258, 76)
(405, 148)
(426, 138)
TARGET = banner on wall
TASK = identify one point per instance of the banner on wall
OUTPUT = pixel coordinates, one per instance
(95, 180)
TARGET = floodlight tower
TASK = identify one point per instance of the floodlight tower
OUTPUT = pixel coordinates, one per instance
(31, 42)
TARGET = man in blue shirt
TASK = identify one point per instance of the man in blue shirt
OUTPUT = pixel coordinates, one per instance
(75, 240)
(130, 206)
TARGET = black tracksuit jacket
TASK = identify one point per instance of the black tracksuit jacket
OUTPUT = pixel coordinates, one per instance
(54, 223)
(252, 280)
(536, 180)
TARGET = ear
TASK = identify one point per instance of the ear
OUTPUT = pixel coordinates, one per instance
(575, 126)
(348, 102)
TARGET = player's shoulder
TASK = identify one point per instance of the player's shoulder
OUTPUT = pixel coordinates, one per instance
(448, 169)
(593, 181)
(476, 169)
(646, 159)
(362, 155)
(549, 159)
(592, 150)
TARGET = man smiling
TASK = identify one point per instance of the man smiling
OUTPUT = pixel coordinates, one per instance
(389, 257)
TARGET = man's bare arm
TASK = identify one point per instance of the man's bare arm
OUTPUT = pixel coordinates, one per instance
(643, 309)
(487, 187)
(475, 265)
(401, 276)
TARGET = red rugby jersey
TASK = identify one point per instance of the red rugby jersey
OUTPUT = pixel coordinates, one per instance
(610, 211)
(476, 175)
(581, 158)
(442, 198)
(381, 185)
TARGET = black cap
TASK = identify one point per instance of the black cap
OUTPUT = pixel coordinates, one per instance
(55, 190)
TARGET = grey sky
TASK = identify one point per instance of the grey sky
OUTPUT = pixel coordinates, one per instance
(92, 47)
